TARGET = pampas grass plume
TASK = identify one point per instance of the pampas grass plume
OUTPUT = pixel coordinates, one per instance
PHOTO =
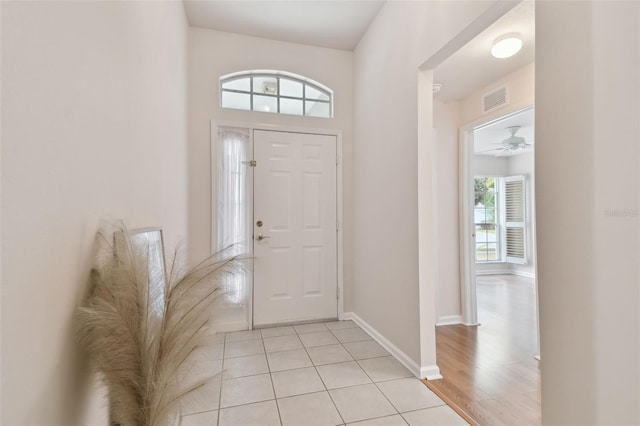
(139, 337)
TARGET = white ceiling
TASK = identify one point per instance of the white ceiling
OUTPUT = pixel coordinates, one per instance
(333, 24)
(490, 137)
(472, 67)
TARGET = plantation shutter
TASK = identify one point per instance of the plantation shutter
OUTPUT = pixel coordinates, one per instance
(515, 219)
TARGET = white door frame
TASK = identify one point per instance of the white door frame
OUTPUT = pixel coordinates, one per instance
(468, 299)
(467, 226)
(251, 126)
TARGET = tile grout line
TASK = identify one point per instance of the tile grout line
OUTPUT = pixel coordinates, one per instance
(373, 382)
(321, 379)
(251, 375)
(376, 384)
(426, 408)
(379, 390)
(306, 349)
(224, 348)
(366, 374)
(273, 388)
(392, 404)
(320, 391)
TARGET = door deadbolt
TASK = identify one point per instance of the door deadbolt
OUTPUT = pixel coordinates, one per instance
(259, 223)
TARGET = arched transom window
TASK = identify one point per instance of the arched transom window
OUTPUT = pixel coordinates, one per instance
(276, 92)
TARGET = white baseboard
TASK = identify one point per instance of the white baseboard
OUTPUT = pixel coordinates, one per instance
(449, 320)
(494, 272)
(430, 372)
(506, 272)
(523, 273)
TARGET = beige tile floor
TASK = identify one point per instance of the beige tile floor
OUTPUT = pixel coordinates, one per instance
(320, 374)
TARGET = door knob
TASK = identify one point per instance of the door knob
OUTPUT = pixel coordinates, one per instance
(261, 237)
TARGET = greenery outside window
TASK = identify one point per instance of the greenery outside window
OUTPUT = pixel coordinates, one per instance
(487, 220)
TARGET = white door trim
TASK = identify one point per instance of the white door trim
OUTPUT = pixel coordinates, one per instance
(215, 125)
(468, 299)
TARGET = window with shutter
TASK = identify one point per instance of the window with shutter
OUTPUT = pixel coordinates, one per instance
(515, 219)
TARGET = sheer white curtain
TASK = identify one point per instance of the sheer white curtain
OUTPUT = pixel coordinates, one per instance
(234, 225)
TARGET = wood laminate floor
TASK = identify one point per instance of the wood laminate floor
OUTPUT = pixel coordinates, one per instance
(490, 374)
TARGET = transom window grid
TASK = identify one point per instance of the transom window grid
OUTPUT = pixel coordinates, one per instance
(259, 99)
(487, 220)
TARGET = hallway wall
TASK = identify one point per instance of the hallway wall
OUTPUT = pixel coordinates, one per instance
(446, 122)
(588, 170)
(94, 126)
(385, 175)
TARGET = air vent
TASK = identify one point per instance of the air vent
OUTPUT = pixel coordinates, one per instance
(495, 99)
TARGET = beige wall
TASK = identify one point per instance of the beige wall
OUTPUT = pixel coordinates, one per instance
(213, 54)
(446, 122)
(94, 115)
(521, 93)
(587, 174)
(490, 165)
(385, 175)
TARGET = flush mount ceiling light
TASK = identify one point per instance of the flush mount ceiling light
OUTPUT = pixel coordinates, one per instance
(506, 46)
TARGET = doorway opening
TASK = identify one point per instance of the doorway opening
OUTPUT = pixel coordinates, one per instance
(497, 204)
(276, 195)
(454, 104)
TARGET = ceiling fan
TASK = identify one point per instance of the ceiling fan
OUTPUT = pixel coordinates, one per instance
(510, 144)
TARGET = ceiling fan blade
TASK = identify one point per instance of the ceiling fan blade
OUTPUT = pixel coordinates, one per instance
(489, 150)
(514, 140)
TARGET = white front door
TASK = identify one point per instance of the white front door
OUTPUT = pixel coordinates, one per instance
(295, 240)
